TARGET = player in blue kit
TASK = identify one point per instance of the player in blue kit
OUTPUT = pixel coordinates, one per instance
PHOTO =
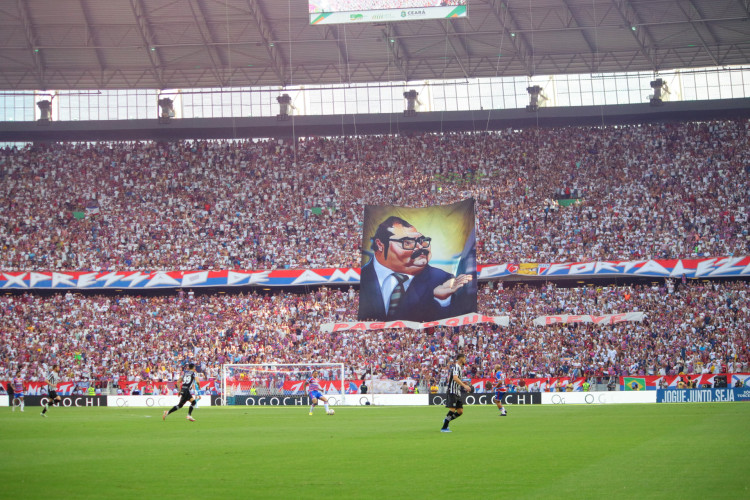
(500, 390)
(18, 391)
(315, 392)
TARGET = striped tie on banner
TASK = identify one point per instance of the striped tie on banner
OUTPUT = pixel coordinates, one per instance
(397, 293)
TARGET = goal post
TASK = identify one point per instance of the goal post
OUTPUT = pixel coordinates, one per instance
(244, 383)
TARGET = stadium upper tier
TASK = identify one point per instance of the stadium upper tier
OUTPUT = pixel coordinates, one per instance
(647, 191)
(693, 327)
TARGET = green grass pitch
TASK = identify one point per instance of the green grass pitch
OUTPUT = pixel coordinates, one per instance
(681, 451)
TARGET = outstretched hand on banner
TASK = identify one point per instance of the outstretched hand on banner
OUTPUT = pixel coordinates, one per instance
(450, 287)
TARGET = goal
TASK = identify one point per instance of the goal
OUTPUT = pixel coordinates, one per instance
(278, 383)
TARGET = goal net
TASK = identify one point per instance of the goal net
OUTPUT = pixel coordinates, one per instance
(279, 384)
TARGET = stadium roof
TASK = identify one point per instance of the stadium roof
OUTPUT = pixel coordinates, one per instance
(104, 44)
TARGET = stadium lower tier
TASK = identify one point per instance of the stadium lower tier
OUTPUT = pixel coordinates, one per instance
(691, 327)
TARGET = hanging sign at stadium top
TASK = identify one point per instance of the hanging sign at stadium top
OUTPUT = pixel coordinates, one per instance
(690, 268)
(380, 11)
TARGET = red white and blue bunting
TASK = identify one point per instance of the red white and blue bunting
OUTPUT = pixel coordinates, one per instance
(713, 267)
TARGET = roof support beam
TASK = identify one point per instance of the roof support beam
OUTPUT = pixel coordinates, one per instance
(698, 33)
(510, 27)
(450, 34)
(396, 51)
(32, 42)
(199, 15)
(91, 35)
(644, 40)
(334, 31)
(144, 28)
(593, 49)
(264, 28)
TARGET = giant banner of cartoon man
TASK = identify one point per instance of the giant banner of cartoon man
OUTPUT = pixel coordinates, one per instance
(418, 264)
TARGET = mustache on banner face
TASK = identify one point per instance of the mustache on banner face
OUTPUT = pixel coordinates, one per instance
(419, 253)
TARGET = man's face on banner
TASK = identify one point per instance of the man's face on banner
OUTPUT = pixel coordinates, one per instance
(399, 259)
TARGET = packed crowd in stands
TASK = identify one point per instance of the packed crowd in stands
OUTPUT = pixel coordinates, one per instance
(646, 191)
(695, 327)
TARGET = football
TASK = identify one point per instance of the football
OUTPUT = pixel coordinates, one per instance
(331, 412)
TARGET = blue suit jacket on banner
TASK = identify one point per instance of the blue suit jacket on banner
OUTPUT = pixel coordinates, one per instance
(417, 304)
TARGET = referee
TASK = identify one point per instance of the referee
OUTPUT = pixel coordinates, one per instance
(455, 404)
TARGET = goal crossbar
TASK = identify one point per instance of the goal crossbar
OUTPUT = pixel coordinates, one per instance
(271, 378)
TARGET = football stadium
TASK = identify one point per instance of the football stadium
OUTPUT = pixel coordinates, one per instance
(336, 248)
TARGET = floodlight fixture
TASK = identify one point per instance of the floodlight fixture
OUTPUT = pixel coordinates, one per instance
(167, 109)
(535, 97)
(660, 89)
(412, 102)
(285, 106)
(45, 111)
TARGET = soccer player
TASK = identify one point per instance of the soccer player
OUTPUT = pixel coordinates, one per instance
(18, 390)
(53, 377)
(500, 390)
(188, 382)
(314, 392)
(455, 403)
